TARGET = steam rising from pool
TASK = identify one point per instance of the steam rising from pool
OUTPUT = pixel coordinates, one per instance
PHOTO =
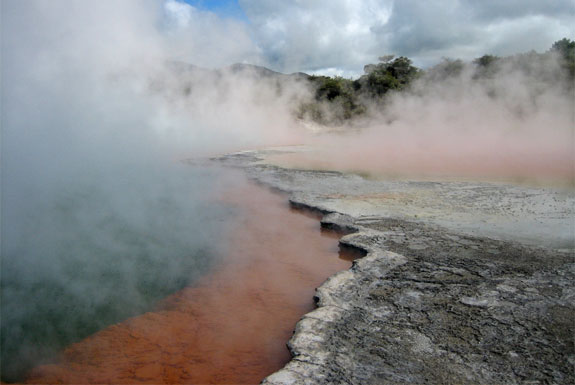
(82, 256)
(99, 218)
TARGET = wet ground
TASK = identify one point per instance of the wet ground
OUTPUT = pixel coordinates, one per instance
(535, 215)
(462, 282)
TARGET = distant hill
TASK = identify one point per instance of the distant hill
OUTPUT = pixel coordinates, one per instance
(236, 68)
(336, 100)
(263, 71)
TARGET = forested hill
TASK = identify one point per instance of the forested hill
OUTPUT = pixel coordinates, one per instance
(337, 100)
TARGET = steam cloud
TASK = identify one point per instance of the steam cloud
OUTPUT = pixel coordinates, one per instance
(512, 125)
(99, 219)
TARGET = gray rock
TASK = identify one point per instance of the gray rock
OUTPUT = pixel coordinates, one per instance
(437, 298)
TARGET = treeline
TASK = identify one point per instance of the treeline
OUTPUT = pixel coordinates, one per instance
(336, 99)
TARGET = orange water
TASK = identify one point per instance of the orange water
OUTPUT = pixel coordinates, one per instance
(232, 326)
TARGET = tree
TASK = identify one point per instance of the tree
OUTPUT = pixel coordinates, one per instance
(335, 100)
(389, 74)
(448, 68)
(486, 66)
(330, 88)
(565, 48)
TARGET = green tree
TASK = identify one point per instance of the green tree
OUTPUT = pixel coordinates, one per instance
(330, 88)
(565, 48)
(389, 74)
(335, 100)
(486, 66)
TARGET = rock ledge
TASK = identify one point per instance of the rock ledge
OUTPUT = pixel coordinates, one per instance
(438, 298)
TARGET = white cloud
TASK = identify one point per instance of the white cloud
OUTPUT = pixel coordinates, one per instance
(508, 36)
(311, 35)
(334, 71)
(180, 14)
(426, 31)
(315, 36)
(203, 38)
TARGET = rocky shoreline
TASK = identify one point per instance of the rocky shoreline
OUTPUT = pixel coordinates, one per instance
(457, 288)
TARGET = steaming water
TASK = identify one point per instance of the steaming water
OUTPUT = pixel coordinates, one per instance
(81, 255)
(232, 325)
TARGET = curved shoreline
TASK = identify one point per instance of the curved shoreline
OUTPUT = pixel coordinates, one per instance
(444, 296)
(312, 361)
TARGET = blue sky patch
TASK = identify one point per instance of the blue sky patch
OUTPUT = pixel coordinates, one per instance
(224, 8)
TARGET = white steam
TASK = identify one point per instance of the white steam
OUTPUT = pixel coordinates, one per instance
(512, 125)
(98, 221)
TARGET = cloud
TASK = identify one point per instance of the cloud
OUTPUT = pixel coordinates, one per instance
(516, 125)
(433, 25)
(492, 10)
(426, 31)
(205, 39)
(178, 14)
(508, 36)
(97, 219)
(297, 35)
(318, 36)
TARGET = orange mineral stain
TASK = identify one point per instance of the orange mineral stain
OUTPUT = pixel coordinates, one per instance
(232, 326)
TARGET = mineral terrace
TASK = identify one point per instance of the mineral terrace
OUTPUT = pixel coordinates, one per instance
(461, 283)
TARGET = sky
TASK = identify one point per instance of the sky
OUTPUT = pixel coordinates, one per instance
(338, 37)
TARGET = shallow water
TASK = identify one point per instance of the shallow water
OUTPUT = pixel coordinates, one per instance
(233, 324)
(92, 249)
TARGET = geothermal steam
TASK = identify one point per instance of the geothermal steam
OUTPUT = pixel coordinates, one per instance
(96, 106)
(511, 126)
(99, 219)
